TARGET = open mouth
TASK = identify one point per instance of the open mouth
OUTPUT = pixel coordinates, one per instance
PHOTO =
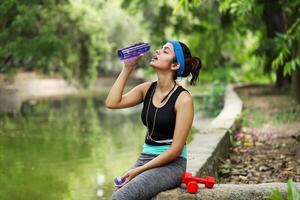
(154, 57)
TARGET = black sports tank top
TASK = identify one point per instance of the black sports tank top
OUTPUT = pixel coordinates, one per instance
(165, 117)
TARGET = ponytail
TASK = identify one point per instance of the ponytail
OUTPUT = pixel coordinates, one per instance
(195, 69)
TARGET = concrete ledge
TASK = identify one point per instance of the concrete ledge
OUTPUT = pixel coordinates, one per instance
(232, 107)
(227, 192)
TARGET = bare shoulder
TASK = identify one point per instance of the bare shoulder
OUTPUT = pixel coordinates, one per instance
(184, 100)
(143, 87)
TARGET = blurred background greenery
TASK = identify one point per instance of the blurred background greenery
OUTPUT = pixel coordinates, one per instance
(237, 40)
(72, 149)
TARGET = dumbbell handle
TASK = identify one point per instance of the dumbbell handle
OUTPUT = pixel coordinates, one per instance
(208, 181)
(199, 180)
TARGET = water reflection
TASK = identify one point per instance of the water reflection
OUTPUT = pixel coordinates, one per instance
(70, 149)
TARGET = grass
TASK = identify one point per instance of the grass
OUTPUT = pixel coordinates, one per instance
(256, 117)
(287, 116)
(292, 192)
(253, 117)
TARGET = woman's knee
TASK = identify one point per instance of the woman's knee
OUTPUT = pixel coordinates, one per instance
(118, 195)
(121, 195)
(133, 190)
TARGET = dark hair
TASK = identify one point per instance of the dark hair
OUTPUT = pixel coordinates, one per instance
(192, 65)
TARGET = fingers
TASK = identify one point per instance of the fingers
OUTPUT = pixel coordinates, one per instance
(134, 60)
(122, 179)
(138, 42)
(127, 180)
(125, 175)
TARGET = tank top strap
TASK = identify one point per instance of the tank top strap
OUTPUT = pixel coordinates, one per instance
(149, 91)
(177, 92)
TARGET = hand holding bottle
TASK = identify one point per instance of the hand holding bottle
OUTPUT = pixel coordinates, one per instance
(132, 54)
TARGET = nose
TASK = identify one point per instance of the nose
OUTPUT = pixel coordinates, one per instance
(157, 51)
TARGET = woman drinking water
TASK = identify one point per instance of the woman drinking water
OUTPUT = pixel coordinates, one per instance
(167, 113)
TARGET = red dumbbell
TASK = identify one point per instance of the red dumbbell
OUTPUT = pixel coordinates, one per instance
(190, 181)
(192, 187)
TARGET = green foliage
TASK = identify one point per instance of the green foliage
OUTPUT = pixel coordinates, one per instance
(79, 38)
(211, 101)
(186, 4)
(239, 8)
(156, 19)
(286, 44)
(287, 56)
(292, 192)
(74, 38)
(26, 36)
(252, 71)
(63, 37)
(253, 117)
(121, 29)
(228, 53)
(276, 195)
(222, 74)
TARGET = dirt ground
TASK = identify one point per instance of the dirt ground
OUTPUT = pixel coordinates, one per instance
(267, 147)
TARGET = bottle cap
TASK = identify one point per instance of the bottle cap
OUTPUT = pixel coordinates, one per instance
(119, 181)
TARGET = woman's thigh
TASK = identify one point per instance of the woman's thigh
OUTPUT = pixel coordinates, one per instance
(149, 183)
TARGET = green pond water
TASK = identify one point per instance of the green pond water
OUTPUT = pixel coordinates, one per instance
(67, 149)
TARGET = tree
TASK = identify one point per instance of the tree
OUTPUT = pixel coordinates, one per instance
(53, 36)
(282, 39)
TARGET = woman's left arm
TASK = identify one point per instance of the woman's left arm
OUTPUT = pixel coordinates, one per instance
(184, 119)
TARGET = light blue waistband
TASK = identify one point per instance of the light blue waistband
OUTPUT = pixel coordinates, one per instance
(156, 150)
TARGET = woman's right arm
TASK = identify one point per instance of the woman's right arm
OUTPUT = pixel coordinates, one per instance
(116, 99)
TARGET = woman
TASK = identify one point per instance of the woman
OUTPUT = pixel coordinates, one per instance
(167, 112)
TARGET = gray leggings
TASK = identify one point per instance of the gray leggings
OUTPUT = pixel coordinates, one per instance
(153, 181)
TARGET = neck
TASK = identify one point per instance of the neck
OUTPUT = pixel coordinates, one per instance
(164, 83)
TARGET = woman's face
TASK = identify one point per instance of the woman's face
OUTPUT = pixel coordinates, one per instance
(163, 57)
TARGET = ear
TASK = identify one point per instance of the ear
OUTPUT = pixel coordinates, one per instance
(175, 66)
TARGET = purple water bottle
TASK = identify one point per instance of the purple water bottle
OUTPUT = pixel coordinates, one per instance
(133, 51)
(119, 181)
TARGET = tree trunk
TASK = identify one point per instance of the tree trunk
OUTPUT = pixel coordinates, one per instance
(296, 84)
(281, 80)
(276, 22)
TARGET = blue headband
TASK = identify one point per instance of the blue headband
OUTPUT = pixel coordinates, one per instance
(179, 56)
